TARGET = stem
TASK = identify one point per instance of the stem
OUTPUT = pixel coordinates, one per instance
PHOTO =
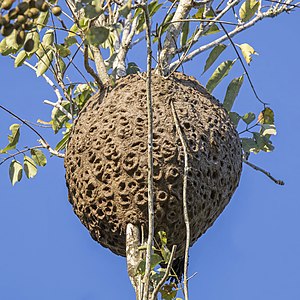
(268, 174)
(184, 200)
(146, 278)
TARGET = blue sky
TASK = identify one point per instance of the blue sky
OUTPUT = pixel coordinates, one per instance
(251, 252)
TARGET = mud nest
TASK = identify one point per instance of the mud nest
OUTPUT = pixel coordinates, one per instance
(106, 160)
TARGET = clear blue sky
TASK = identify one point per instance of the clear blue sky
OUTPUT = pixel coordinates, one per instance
(251, 252)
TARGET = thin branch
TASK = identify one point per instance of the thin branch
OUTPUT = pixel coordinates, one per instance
(277, 181)
(42, 141)
(149, 250)
(204, 20)
(184, 200)
(90, 70)
(100, 65)
(18, 153)
(61, 108)
(166, 275)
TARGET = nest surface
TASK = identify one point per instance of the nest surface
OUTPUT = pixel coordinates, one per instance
(106, 160)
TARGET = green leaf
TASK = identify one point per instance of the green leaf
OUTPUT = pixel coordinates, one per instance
(29, 167)
(125, 9)
(221, 72)
(11, 40)
(97, 35)
(266, 116)
(184, 33)
(263, 142)
(63, 142)
(213, 55)
(212, 30)
(268, 129)
(248, 9)
(73, 30)
(48, 38)
(247, 52)
(132, 68)
(42, 20)
(70, 40)
(248, 118)
(13, 138)
(21, 57)
(232, 92)
(249, 145)
(39, 157)
(62, 50)
(155, 260)
(235, 118)
(15, 171)
(3, 45)
(163, 237)
(44, 63)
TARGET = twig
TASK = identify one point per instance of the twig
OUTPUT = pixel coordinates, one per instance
(61, 108)
(184, 200)
(149, 250)
(42, 141)
(203, 20)
(166, 275)
(90, 69)
(19, 152)
(277, 181)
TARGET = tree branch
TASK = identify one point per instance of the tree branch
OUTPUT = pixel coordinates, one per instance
(90, 70)
(184, 202)
(268, 174)
(149, 250)
(58, 106)
(169, 47)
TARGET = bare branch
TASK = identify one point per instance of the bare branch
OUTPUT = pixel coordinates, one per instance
(90, 70)
(169, 47)
(58, 106)
(100, 65)
(184, 201)
(149, 251)
(268, 174)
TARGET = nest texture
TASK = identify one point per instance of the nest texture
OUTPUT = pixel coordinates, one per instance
(106, 160)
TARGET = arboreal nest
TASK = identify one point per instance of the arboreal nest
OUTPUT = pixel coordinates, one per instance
(106, 160)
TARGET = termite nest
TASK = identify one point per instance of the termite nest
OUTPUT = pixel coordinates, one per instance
(107, 160)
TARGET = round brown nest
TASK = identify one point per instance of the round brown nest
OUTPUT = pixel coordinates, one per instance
(106, 160)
